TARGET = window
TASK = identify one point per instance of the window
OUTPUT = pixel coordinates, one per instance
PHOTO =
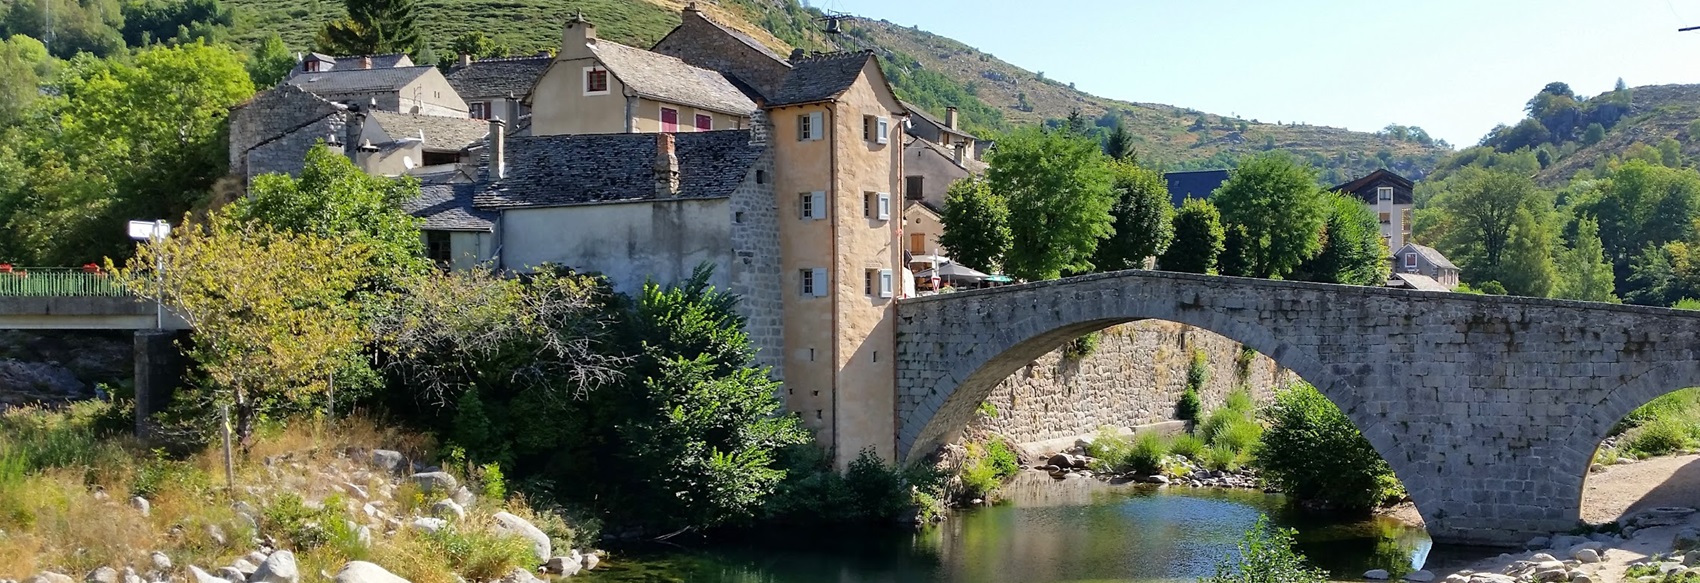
(705, 123)
(912, 187)
(1410, 261)
(431, 158)
(868, 278)
(595, 81)
(311, 66)
(814, 282)
(437, 246)
(1386, 218)
(479, 109)
(885, 283)
(761, 177)
(882, 206)
(876, 129)
(738, 217)
(812, 205)
(867, 128)
(1384, 193)
(809, 127)
(868, 204)
(918, 243)
(669, 120)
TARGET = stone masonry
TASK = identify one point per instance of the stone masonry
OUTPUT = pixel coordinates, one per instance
(273, 131)
(1134, 377)
(1488, 408)
(755, 258)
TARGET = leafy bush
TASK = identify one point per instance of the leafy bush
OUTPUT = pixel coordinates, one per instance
(1240, 400)
(1146, 455)
(1221, 458)
(1110, 449)
(306, 527)
(1266, 555)
(1081, 347)
(491, 483)
(870, 491)
(989, 410)
(1313, 453)
(1190, 406)
(1198, 371)
(1661, 437)
(1187, 446)
(1242, 434)
(482, 555)
(986, 468)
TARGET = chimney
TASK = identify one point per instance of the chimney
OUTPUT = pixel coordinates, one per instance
(465, 59)
(498, 148)
(691, 6)
(950, 117)
(797, 55)
(578, 33)
(354, 129)
(666, 167)
(366, 62)
(958, 151)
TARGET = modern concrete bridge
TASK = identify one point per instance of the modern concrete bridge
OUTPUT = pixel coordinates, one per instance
(1488, 408)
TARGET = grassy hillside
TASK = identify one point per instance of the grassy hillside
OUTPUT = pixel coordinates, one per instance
(1656, 114)
(927, 69)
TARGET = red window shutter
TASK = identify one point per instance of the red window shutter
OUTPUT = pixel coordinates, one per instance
(705, 123)
(669, 120)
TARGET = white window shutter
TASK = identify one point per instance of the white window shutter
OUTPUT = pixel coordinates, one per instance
(885, 283)
(815, 126)
(820, 282)
(885, 206)
(884, 134)
(817, 200)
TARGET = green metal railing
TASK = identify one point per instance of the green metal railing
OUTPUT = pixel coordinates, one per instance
(57, 282)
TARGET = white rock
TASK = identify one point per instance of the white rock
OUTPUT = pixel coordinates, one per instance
(1419, 576)
(161, 562)
(518, 575)
(1376, 574)
(278, 568)
(431, 525)
(50, 577)
(463, 497)
(102, 575)
(364, 572)
(514, 525)
(199, 576)
(438, 482)
(566, 566)
(141, 505)
(230, 574)
(388, 460)
(244, 567)
(356, 491)
(364, 537)
(255, 557)
(1587, 555)
(1539, 542)
(590, 560)
(448, 509)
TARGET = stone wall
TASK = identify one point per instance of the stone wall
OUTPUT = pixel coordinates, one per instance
(1134, 377)
(271, 115)
(755, 261)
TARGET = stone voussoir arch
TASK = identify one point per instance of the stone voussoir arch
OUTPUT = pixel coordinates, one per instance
(1488, 408)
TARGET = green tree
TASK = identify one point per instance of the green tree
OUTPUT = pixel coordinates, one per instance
(263, 336)
(1197, 241)
(1144, 219)
(1266, 555)
(1057, 186)
(976, 225)
(473, 43)
(1583, 272)
(1593, 134)
(1351, 478)
(1640, 204)
(1120, 144)
(68, 27)
(373, 27)
(1353, 252)
(1277, 201)
(335, 199)
(1235, 259)
(24, 67)
(1488, 213)
(270, 62)
(175, 21)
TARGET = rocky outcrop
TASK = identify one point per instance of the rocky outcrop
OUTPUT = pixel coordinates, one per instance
(513, 525)
(364, 572)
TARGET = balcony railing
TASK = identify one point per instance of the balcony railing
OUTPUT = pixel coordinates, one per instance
(57, 282)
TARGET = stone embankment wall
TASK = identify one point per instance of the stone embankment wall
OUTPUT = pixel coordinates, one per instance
(1134, 378)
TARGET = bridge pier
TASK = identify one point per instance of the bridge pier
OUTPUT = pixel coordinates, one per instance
(159, 369)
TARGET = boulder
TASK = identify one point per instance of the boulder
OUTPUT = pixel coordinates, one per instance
(255, 557)
(1539, 542)
(1542, 558)
(518, 575)
(590, 560)
(388, 460)
(1157, 479)
(448, 509)
(1687, 539)
(1376, 574)
(463, 497)
(431, 525)
(516, 526)
(1061, 460)
(196, 575)
(245, 567)
(141, 505)
(364, 537)
(161, 562)
(1419, 576)
(1564, 541)
(566, 566)
(1692, 559)
(102, 575)
(1587, 556)
(230, 574)
(130, 576)
(364, 572)
(435, 482)
(278, 568)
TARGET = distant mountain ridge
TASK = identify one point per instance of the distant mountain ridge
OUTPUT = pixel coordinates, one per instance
(928, 70)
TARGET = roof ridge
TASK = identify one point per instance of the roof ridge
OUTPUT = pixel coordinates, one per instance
(511, 59)
(831, 55)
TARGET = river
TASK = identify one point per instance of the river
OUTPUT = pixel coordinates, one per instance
(1076, 530)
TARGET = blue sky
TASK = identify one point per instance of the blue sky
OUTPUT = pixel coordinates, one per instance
(1454, 67)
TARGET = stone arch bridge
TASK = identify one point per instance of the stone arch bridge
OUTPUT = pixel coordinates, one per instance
(1488, 408)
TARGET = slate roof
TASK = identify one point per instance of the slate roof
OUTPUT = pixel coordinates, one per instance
(448, 207)
(921, 113)
(1364, 188)
(358, 80)
(1184, 186)
(562, 170)
(1430, 254)
(820, 78)
(441, 133)
(386, 61)
(968, 162)
(1417, 281)
(664, 78)
(497, 78)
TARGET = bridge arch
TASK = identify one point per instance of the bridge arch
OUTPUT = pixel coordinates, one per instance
(1488, 408)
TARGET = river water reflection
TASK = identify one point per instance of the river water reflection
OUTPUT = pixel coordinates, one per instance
(1075, 530)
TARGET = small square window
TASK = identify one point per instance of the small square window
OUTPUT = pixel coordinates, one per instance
(479, 110)
(669, 120)
(808, 276)
(812, 205)
(912, 187)
(1384, 193)
(705, 123)
(595, 80)
(1386, 218)
(761, 177)
(437, 247)
(868, 278)
(738, 217)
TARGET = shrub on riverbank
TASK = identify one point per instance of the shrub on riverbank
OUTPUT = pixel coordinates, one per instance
(870, 492)
(986, 467)
(1666, 425)
(1266, 555)
(1314, 454)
